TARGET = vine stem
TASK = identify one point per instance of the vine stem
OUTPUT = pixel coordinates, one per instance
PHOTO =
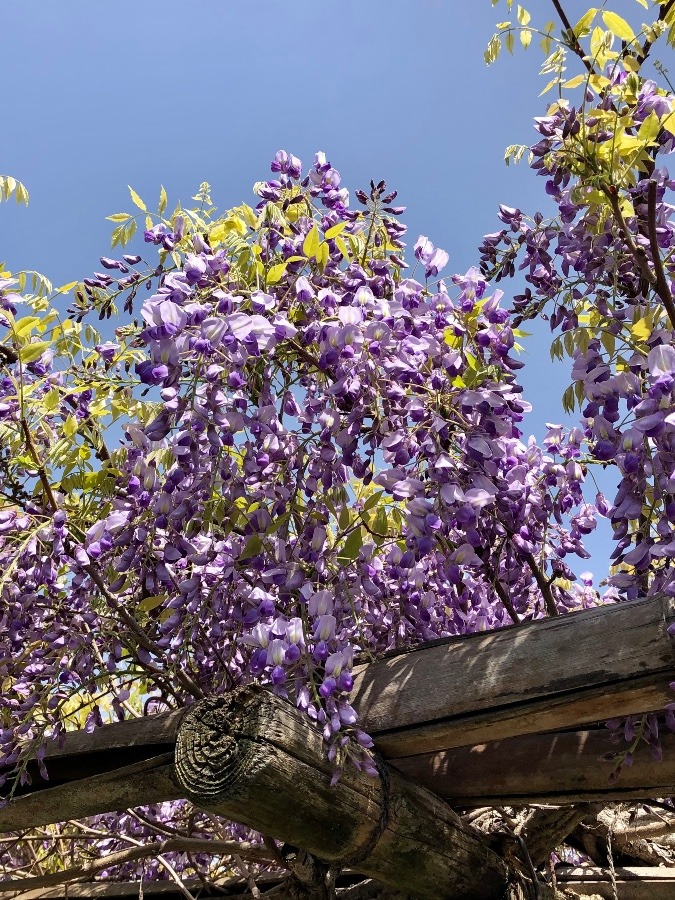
(574, 43)
(661, 285)
(542, 584)
(656, 279)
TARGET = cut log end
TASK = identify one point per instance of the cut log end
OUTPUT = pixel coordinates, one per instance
(210, 757)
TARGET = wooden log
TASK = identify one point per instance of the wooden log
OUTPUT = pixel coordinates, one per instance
(585, 667)
(543, 676)
(634, 883)
(253, 758)
(149, 781)
(546, 675)
(559, 768)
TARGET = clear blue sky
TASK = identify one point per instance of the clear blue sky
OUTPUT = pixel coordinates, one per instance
(105, 95)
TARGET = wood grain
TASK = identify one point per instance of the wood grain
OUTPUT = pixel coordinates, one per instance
(572, 670)
(254, 758)
(559, 768)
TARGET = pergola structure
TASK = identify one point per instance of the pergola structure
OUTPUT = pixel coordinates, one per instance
(507, 724)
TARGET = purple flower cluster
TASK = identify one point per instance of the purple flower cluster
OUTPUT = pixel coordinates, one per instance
(595, 270)
(331, 466)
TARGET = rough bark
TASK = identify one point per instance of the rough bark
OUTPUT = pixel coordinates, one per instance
(255, 759)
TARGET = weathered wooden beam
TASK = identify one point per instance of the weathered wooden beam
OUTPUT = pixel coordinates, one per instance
(254, 758)
(635, 883)
(546, 675)
(559, 768)
(148, 781)
(585, 667)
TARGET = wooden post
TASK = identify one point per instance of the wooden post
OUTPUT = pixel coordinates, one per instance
(255, 759)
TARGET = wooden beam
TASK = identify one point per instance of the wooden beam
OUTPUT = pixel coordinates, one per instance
(255, 759)
(149, 781)
(546, 675)
(635, 883)
(558, 768)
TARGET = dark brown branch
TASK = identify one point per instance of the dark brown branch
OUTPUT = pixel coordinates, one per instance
(664, 9)
(543, 584)
(639, 255)
(573, 43)
(661, 284)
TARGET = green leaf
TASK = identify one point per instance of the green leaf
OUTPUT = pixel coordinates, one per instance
(118, 217)
(276, 273)
(252, 547)
(334, 230)
(372, 501)
(618, 26)
(136, 199)
(351, 547)
(526, 37)
(345, 518)
(150, 603)
(311, 243)
(163, 200)
(509, 41)
(31, 352)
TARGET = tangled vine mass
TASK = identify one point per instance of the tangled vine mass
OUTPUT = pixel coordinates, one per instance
(304, 445)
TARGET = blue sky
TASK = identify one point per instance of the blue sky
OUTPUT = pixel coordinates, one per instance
(105, 95)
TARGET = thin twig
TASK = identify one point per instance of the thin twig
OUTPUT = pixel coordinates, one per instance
(542, 584)
(574, 44)
(84, 871)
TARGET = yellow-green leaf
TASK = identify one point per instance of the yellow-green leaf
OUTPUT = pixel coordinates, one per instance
(150, 603)
(582, 26)
(70, 426)
(618, 26)
(523, 16)
(136, 199)
(51, 399)
(118, 217)
(649, 128)
(526, 37)
(509, 40)
(163, 200)
(311, 243)
(641, 330)
(322, 254)
(574, 82)
(30, 352)
(276, 273)
(334, 230)
(342, 247)
(23, 327)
